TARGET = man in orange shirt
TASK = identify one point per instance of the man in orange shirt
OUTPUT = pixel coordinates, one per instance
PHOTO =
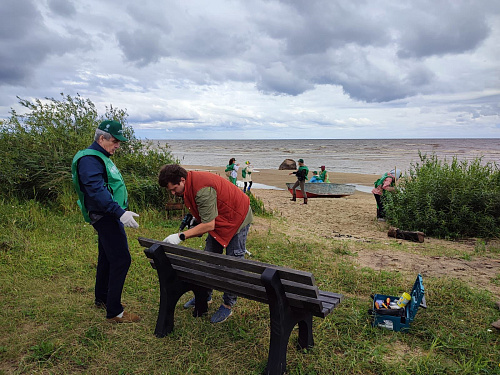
(221, 209)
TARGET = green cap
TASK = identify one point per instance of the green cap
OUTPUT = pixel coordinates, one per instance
(301, 160)
(114, 128)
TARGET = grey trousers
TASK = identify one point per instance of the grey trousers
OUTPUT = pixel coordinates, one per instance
(235, 248)
(302, 187)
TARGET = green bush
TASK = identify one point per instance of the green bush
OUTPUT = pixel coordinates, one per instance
(37, 148)
(456, 200)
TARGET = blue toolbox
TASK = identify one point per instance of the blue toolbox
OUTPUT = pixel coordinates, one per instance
(388, 313)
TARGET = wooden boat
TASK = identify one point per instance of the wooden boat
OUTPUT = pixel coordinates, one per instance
(323, 190)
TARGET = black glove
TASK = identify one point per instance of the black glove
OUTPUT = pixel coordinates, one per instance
(188, 221)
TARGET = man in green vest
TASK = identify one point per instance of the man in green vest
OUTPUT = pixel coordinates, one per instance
(103, 200)
(301, 175)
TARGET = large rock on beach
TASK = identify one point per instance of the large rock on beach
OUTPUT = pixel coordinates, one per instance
(288, 164)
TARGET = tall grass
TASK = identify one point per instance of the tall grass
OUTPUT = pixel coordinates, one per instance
(448, 200)
(49, 324)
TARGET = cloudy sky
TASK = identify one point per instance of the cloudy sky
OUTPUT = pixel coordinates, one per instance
(254, 69)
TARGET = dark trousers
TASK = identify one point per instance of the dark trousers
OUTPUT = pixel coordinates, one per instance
(302, 187)
(113, 263)
(245, 186)
(380, 207)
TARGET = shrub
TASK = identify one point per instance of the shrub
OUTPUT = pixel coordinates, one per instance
(37, 148)
(456, 200)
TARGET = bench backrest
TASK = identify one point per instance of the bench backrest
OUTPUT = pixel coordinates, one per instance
(243, 277)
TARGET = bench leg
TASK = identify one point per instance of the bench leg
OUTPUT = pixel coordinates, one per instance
(306, 340)
(283, 320)
(200, 303)
(171, 289)
(169, 296)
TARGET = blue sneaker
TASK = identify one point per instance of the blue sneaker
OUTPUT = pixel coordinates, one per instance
(221, 315)
(189, 304)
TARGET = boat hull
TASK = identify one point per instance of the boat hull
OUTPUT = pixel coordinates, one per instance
(323, 190)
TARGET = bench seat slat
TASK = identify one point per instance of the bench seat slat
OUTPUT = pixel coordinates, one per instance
(326, 294)
(245, 290)
(233, 262)
(242, 277)
(248, 277)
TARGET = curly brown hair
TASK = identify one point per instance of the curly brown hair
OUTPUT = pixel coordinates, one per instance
(171, 173)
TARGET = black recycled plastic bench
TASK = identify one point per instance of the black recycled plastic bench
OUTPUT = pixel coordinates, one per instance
(292, 295)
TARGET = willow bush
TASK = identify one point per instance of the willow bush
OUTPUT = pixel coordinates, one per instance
(37, 148)
(448, 200)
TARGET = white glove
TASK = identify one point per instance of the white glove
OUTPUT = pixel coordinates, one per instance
(128, 219)
(173, 239)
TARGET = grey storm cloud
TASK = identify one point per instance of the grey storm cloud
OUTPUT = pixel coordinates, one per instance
(336, 39)
(315, 27)
(372, 52)
(142, 47)
(26, 41)
(277, 80)
(64, 8)
(292, 46)
(453, 27)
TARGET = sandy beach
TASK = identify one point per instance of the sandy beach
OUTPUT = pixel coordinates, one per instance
(277, 178)
(353, 218)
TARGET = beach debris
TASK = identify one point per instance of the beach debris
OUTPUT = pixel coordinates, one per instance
(288, 164)
(406, 235)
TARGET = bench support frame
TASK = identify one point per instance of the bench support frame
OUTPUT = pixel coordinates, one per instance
(283, 318)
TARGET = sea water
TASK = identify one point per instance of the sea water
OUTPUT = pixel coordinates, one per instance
(373, 156)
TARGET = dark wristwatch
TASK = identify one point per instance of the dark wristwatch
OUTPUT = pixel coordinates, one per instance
(182, 236)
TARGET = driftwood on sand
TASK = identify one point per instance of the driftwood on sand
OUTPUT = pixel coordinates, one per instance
(406, 235)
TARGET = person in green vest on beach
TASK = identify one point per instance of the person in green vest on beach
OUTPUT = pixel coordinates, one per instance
(103, 200)
(232, 170)
(323, 176)
(386, 182)
(315, 178)
(246, 174)
(301, 174)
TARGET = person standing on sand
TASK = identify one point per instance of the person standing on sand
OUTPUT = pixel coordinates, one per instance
(103, 200)
(246, 173)
(385, 183)
(301, 174)
(232, 170)
(221, 209)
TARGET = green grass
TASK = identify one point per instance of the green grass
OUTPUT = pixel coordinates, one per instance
(49, 324)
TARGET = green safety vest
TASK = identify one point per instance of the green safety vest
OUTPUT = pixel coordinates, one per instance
(322, 176)
(381, 180)
(244, 172)
(114, 184)
(306, 171)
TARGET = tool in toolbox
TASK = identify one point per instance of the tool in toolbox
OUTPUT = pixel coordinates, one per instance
(396, 313)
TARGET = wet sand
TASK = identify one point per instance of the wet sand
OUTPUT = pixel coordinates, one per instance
(278, 178)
